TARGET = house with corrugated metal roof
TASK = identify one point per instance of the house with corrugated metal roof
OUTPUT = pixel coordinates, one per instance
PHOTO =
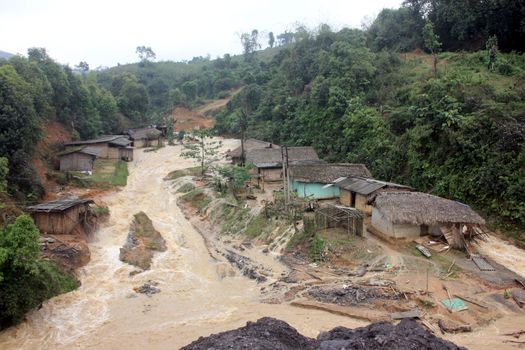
(249, 144)
(145, 137)
(60, 216)
(358, 191)
(108, 147)
(316, 180)
(268, 162)
(78, 159)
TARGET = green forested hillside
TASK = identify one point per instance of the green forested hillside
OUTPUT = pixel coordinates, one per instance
(367, 96)
(460, 134)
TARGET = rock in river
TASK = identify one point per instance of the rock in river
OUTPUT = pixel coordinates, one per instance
(142, 241)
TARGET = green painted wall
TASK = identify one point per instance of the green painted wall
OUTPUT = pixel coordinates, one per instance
(314, 190)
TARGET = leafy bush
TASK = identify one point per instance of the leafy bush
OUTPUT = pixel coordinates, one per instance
(25, 280)
(315, 252)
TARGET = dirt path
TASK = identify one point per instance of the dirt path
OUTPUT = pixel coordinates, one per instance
(105, 313)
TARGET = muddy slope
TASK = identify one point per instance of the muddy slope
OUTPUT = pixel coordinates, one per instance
(269, 333)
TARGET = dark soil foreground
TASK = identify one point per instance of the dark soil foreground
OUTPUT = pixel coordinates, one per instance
(269, 333)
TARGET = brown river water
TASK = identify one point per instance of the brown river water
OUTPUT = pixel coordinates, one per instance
(105, 312)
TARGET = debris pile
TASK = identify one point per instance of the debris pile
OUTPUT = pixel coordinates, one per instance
(149, 288)
(351, 294)
(245, 265)
(269, 333)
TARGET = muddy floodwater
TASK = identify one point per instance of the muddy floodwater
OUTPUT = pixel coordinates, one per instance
(105, 312)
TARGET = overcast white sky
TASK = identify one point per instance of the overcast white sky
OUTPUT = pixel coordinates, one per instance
(107, 32)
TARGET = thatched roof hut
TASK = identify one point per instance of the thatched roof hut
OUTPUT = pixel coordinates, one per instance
(328, 172)
(418, 208)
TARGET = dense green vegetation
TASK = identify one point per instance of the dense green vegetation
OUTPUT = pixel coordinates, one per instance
(458, 132)
(25, 279)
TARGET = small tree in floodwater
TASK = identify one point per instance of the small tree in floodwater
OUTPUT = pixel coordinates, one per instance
(201, 147)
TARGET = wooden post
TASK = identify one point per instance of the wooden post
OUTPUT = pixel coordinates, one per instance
(287, 176)
(284, 180)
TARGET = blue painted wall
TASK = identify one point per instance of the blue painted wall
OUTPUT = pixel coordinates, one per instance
(314, 190)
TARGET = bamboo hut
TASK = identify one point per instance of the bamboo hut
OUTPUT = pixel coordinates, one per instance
(415, 214)
(60, 216)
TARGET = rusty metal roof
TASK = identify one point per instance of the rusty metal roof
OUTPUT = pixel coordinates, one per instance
(366, 186)
(58, 205)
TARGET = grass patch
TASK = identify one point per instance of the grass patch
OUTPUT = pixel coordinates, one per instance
(315, 251)
(197, 198)
(187, 187)
(258, 225)
(110, 171)
(100, 211)
(195, 171)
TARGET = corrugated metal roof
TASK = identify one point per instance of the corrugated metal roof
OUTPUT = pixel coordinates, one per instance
(272, 157)
(102, 139)
(366, 186)
(92, 151)
(58, 205)
(148, 133)
(121, 141)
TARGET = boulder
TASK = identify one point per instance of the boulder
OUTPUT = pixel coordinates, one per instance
(142, 241)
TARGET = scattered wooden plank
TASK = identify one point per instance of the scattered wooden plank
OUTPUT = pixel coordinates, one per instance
(482, 263)
(349, 311)
(423, 251)
(516, 334)
(405, 314)
(453, 327)
(430, 327)
(472, 301)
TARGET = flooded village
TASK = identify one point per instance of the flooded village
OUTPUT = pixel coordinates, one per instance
(279, 175)
(177, 254)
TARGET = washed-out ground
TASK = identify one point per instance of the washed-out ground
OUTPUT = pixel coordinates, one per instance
(197, 290)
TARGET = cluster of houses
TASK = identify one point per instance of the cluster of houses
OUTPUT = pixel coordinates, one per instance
(81, 155)
(397, 211)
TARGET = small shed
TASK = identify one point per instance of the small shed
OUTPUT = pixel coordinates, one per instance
(269, 161)
(108, 147)
(316, 180)
(60, 216)
(413, 214)
(249, 144)
(145, 137)
(332, 215)
(78, 159)
(357, 192)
